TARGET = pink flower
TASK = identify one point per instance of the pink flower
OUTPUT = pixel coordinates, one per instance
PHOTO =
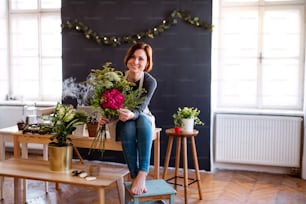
(112, 99)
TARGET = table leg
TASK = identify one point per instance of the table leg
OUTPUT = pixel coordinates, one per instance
(16, 147)
(24, 150)
(120, 189)
(2, 157)
(166, 164)
(177, 160)
(24, 155)
(101, 195)
(185, 169)
(156, 155)
(45, 157)
(17, 191)
(196, 166)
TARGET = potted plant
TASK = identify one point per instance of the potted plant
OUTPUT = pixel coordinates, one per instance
(63, 122)
(20, 124)
(92, 124)
(186, 118)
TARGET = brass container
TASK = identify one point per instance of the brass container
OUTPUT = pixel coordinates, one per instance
(60, 158)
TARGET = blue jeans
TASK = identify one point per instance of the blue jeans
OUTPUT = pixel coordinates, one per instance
(136, 138)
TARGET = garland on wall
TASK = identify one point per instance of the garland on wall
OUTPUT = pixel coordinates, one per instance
(167, 23)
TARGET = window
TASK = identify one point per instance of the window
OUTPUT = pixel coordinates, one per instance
(260, 57)
(32, 60)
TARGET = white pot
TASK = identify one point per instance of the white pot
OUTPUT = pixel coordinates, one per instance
(187, 125)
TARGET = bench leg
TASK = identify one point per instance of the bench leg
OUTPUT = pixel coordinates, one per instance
(101, 195)
(1, 187)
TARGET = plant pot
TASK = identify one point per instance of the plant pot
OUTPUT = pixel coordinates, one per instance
(20, 125)
(60, 158)
(187, 125)
(92, 129)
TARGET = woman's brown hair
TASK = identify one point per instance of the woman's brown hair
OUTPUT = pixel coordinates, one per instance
(140, 46)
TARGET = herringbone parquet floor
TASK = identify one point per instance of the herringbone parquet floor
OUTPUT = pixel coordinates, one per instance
(221, 187)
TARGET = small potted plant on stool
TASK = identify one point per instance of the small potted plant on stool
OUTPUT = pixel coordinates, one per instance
(185, 118)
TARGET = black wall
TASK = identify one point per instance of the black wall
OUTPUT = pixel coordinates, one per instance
(181, 55)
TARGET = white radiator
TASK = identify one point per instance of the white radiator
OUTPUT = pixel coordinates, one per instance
(258, 139)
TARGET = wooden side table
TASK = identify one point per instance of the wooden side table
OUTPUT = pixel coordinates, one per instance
(179, 137)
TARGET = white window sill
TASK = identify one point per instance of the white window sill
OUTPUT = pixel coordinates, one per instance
(261, 112)
(24, 103)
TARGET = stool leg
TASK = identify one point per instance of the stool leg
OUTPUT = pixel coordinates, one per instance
(167, 159)
(196, 166)
(177, 160)
(136, 201)
(172, 199)
(127, 197)
(185, 168)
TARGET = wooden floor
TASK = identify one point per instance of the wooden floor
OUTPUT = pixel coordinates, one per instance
(230, 187)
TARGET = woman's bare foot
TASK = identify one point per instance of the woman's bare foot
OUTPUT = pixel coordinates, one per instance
(139, 183)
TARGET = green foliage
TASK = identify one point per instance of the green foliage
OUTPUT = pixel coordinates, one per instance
(186, 112)
(63, 123)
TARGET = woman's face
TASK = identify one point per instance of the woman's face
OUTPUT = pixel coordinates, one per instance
(138, 61)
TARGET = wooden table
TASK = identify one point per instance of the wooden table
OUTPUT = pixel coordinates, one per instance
(11, 134)
(8, 135)
(39, 170)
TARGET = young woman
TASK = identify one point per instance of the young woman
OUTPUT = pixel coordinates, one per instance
(135, 128)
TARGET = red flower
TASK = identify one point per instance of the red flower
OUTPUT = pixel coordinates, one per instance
(112, 99)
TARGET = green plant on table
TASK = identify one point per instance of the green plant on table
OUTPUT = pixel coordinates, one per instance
(63, 122)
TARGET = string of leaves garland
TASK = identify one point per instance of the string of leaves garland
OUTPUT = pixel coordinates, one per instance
(150, 33)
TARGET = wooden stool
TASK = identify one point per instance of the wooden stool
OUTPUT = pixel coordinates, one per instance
(183, 135)
(157, 190)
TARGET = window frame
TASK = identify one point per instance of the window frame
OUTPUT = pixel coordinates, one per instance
(39, 13)
(217, 50)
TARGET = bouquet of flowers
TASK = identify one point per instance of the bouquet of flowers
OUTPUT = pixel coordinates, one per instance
(111, 91)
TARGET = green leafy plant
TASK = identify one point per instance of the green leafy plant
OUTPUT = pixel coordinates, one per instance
(63, 122)
(185, 113)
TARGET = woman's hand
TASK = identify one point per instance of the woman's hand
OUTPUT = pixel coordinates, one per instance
(125, 114)
(102, 121)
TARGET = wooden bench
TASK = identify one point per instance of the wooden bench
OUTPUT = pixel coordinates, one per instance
(39, 170)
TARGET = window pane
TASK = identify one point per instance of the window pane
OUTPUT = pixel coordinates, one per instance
(238, 83)
(23, 4)
(24, 35)
(50, 4)
(51, 78)
(282, 33)
(25, 74)
(281, 84)
(51, 35)
(240, 26)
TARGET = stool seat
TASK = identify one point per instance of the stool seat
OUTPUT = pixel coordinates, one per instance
(157, 191)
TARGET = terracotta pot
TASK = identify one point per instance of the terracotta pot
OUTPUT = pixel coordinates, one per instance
(92, 129)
